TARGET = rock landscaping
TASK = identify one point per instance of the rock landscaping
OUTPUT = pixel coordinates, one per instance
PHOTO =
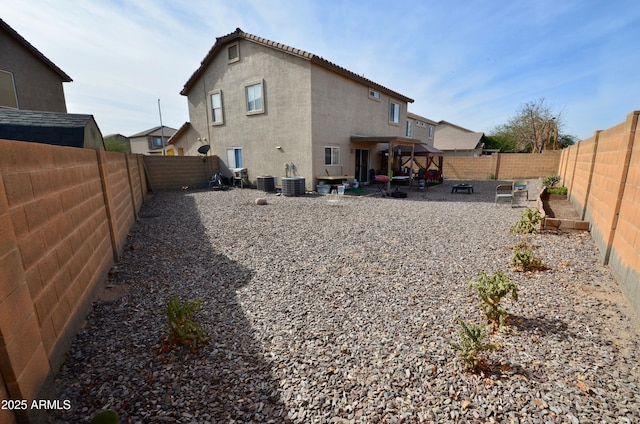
(345, 312)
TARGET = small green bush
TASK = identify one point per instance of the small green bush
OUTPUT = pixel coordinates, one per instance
(472, 345)
(183, 330)
(523, 258)
(550, 180)
(491, 290)
(557, 190)
(528, 224)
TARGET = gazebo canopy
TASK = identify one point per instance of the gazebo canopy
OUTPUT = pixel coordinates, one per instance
(393, 141)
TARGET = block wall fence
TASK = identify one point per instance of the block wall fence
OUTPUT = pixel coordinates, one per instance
(64, 218)
(501, 166)
(602, 174)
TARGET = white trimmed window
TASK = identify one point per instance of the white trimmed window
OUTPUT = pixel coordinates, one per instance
(409, 129)
(234, 157)
(430, 131)
(233, 53)
(255, 98)
(373, 94)
(216, 108)
(394, 112)
(332, 156)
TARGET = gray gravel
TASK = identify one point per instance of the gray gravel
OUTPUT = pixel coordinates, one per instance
(340, 313)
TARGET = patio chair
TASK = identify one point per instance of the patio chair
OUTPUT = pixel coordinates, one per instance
(504, 191)
(520, 187)
(381, 184)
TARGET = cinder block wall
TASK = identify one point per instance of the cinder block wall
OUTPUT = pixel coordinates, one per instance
(528, 165)
(602, 174)
(175, 172)
(501, 166)
(468, 167)
(64, 215)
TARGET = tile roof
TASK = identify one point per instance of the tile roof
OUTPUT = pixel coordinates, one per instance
(36, 52)
(166, 131)
(239, 34)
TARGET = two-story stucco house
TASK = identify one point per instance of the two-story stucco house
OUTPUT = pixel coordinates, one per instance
(154, 141)
(261, 104)
(28, 80)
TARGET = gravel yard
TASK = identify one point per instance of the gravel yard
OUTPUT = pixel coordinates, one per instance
(340, 313)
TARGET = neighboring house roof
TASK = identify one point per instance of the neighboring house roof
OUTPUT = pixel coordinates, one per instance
(449, 124)
(36, 52)
(61, 129)
(421, 118)
(155, 132)
(179, 133)
(239, 34)
(458, 141)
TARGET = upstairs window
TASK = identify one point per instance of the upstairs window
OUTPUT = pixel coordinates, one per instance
(254, 96)
(216, 108)
(332, 156)
(394, 112)
(233, 53)
(156, 143)
(373, 94)
(430, 131)
(409, 129)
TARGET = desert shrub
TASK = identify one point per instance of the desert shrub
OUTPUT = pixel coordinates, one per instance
(528, 223)
(550, 180)
(183, 330)
(472, 346)
(491, 290)
(523, 258)
(557, 190)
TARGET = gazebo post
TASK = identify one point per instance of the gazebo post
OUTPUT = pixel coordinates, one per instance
(413, 147)
(389, 160)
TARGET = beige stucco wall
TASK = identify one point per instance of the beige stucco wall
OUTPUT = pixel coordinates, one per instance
(286, 121)
(38, 87)
(342, 108)
(421, 132)
(187, 143)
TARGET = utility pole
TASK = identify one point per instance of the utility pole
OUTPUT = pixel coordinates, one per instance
(164, 148)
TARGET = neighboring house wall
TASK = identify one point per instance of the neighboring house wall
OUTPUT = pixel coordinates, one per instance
(188, 141)
(143, 142)
(38, 86)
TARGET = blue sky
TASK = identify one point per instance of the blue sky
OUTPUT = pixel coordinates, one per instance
(470, 62)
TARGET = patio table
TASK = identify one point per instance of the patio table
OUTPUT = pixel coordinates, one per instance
(462, 187)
